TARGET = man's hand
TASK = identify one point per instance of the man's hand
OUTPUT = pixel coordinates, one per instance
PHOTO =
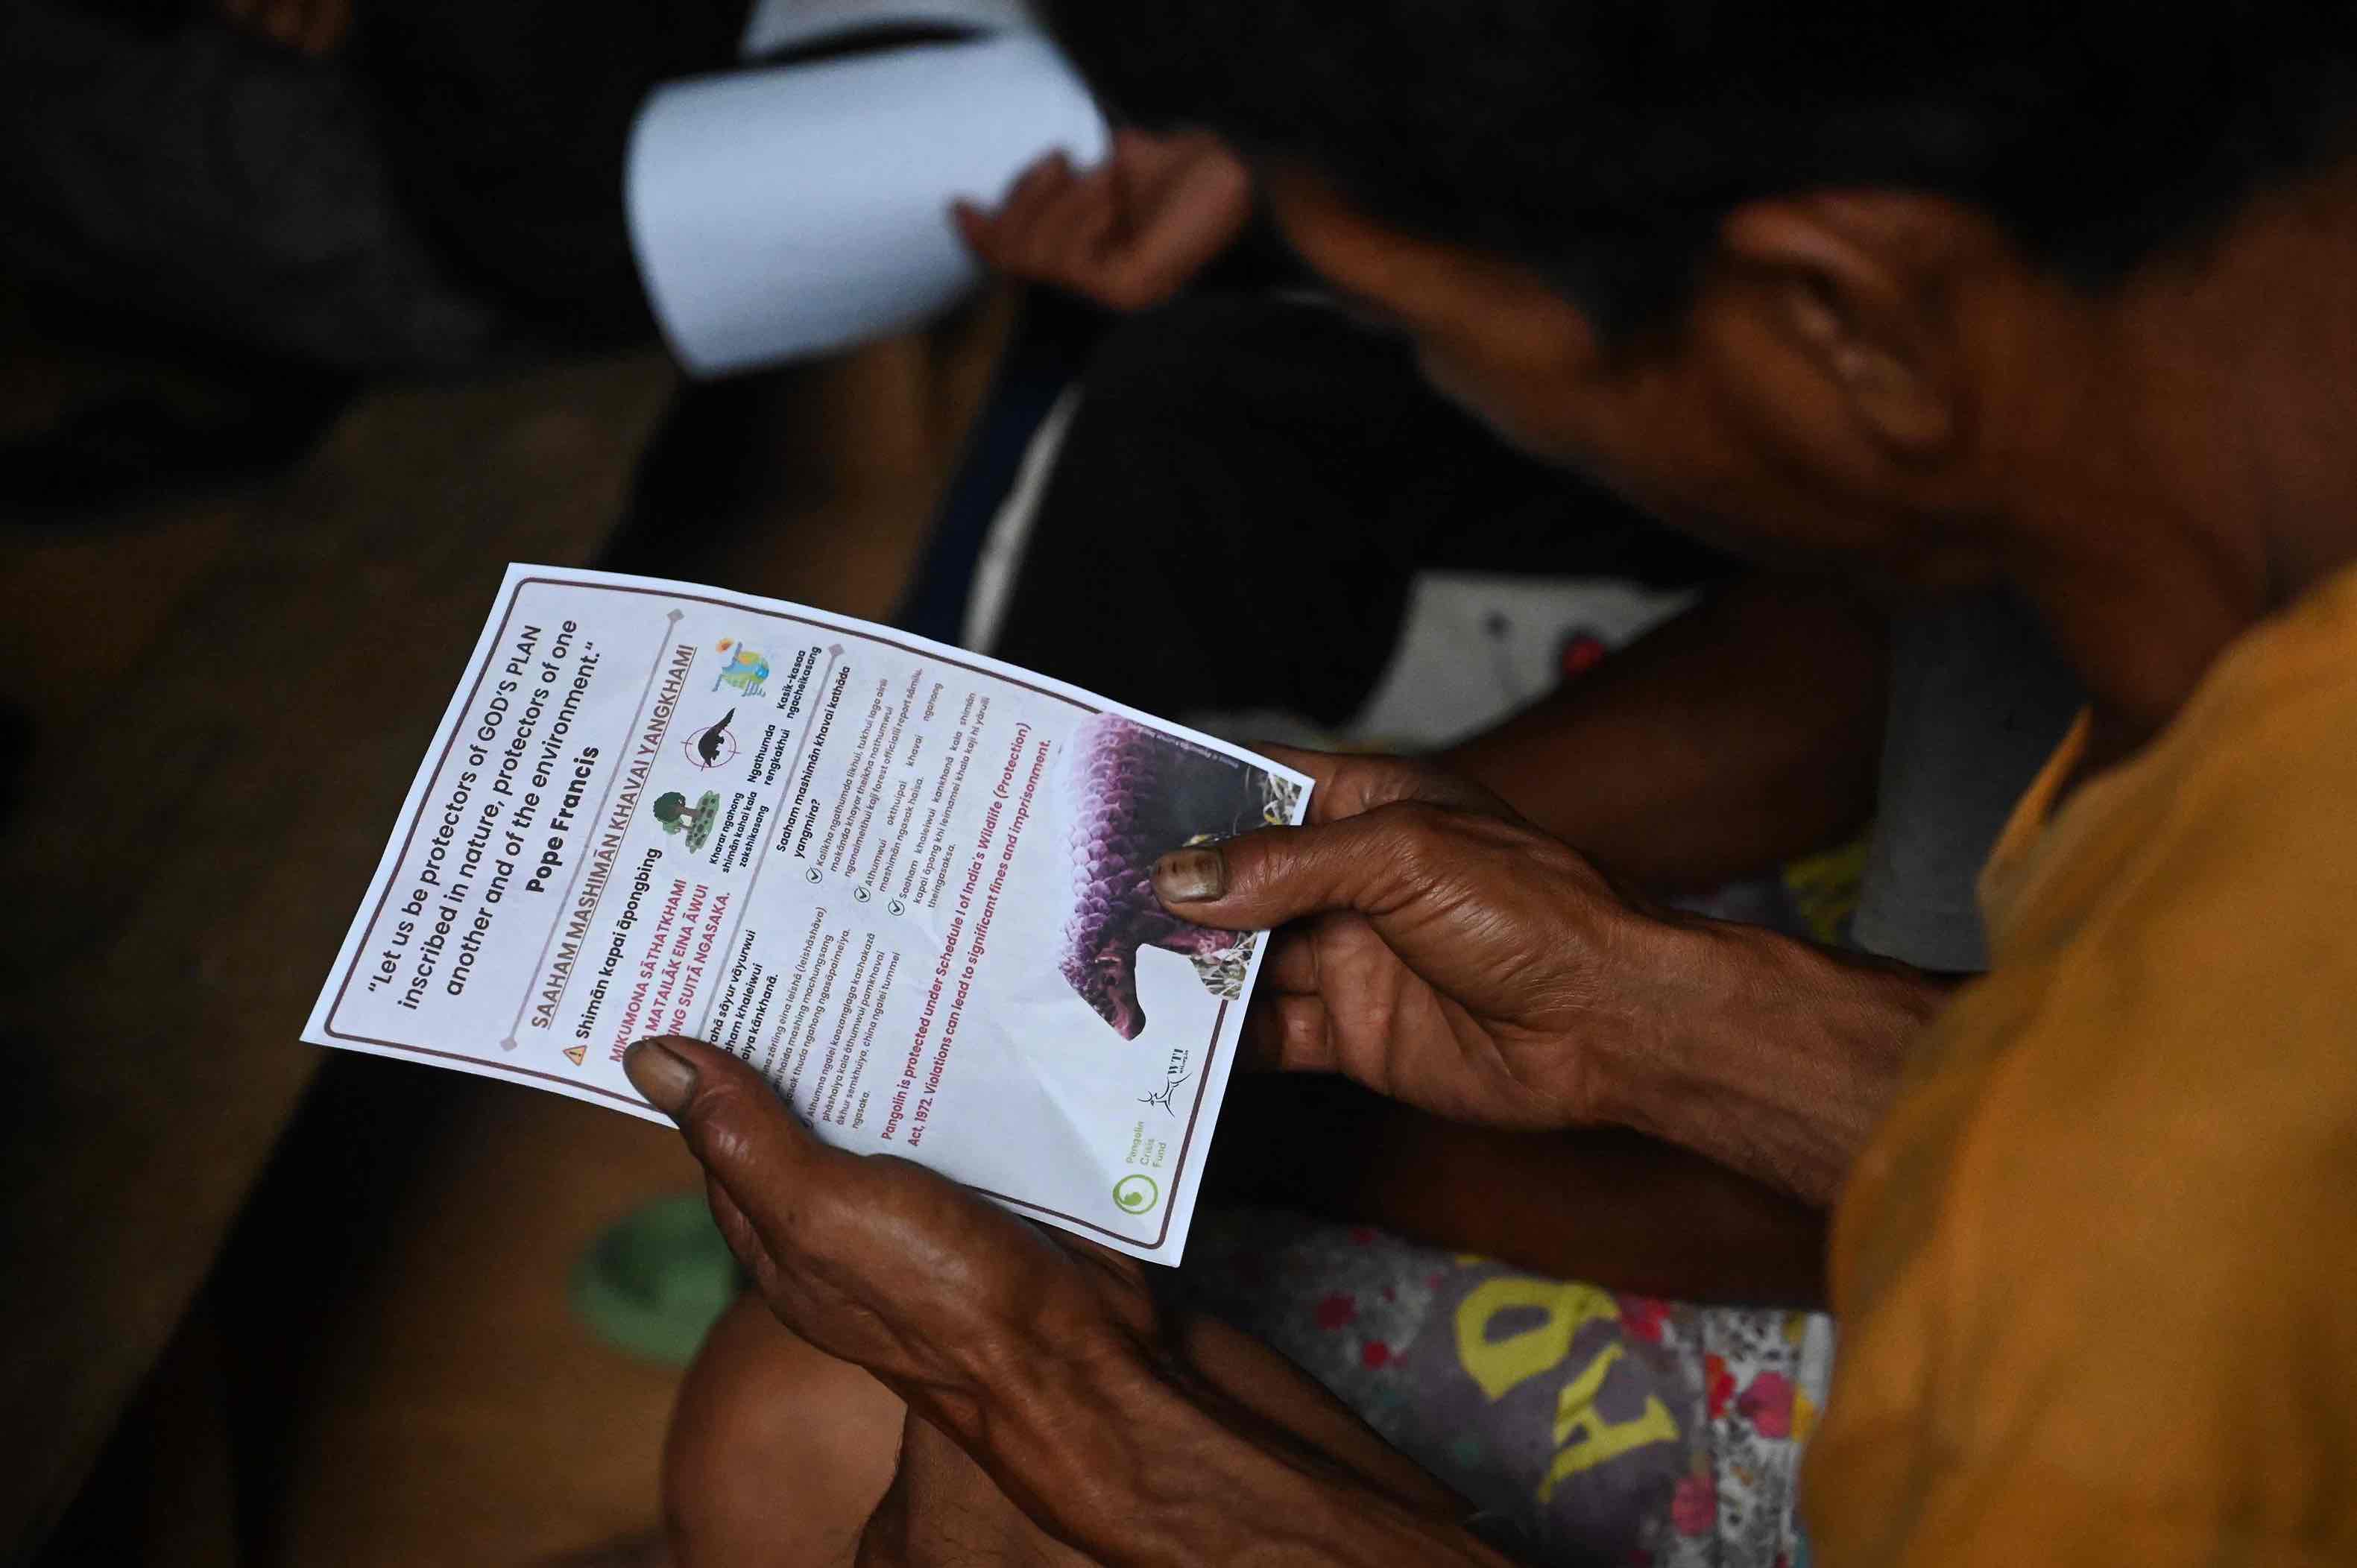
(881, 1263)
(1128, 233)
(1044, 1361)
(1439, 949)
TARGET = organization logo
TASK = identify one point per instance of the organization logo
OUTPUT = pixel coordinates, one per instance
(1174, 1078)
(741, 667)
(714, 746)
(1135, 1193)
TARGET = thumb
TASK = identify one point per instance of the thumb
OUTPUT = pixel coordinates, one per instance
(752, 1147)
(1369, 864)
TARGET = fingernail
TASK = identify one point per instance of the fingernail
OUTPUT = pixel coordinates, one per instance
(666, 1080)
(1191, 876)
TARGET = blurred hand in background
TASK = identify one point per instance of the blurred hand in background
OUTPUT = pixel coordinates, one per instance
(1128, 233)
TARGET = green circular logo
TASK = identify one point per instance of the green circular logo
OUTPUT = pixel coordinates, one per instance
(1137, 1194)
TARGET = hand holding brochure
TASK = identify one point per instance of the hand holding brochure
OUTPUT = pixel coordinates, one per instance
(907, 883)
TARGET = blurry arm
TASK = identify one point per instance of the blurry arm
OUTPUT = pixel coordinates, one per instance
(1605, 1206)
(1736, 737)
(1130, 233)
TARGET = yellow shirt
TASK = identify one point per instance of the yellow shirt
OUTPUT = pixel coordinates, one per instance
(2098, 1271)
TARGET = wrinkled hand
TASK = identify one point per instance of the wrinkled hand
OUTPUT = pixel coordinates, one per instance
(1128, 233)
(949, 1300)
(1074, 1416)
(1436, 948)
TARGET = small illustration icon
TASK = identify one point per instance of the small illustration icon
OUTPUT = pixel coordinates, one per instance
(897, 907)
(1173, 1079)
(741, 667)
(677, 816)
(811, 875)
(859, 895)
(713, 744)
(1135, 1193)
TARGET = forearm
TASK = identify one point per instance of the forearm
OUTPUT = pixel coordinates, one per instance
(1743, 1073)
(1771, 1055)
(1603, 1205)
(1211, 1450)
(1739, 735)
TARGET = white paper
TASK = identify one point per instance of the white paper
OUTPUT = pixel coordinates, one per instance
(785, 211)
(904, 881)
(775, 26)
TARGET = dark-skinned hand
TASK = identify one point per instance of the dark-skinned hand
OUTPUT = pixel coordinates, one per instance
(1128, 233)
(879, 1262)
(1436, 947)
(1043, 1361)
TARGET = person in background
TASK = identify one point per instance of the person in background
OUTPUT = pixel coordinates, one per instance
(196, 188)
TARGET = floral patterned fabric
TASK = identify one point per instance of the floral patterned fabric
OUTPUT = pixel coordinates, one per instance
(1584, 1426)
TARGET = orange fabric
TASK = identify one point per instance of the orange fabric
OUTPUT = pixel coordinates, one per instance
(2098, 1271)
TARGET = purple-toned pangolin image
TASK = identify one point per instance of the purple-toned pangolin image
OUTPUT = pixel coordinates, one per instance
(1130, 795)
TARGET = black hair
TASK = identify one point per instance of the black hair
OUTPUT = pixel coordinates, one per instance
(1603, 142)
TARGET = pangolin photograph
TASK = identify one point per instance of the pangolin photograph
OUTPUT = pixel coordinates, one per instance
(1126, 796)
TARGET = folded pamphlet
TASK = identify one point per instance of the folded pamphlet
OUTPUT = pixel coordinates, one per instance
(909, 884)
